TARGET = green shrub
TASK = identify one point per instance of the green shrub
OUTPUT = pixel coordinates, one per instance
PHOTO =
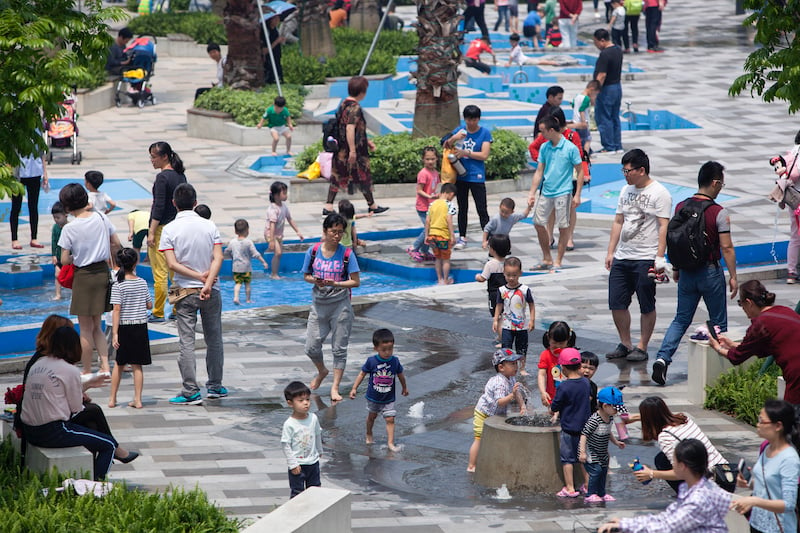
(741, 393)
(247, 107)
(347, 62)
(132, 5)
(93, 78)
(202, 27)
(398, 157)
(392, 42)
(300, 69)
(178, 5)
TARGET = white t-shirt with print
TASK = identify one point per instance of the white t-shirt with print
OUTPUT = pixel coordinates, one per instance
(641, 209)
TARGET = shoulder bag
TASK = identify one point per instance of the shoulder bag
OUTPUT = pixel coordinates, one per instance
(724, 473)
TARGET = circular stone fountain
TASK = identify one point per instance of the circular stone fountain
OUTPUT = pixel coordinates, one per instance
(521, 452)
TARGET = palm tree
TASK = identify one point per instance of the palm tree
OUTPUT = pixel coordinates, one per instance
(244, 68)
(315, 32)
(436, 110)
(365, 15)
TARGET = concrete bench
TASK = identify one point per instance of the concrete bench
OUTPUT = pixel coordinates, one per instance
(76, 459)
(315, 510)
(706, 365)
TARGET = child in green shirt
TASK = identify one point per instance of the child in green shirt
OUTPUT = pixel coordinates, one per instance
(279, 122)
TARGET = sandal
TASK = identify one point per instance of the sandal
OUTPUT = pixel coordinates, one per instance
(542, 266)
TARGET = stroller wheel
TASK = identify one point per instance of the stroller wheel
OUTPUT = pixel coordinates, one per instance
(73, 159)
(49, 157)
(80, 157)
(140, 103)
(117, 101)
(153, 100)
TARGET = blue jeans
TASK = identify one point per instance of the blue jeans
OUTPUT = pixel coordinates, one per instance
(64, 434)
(502, 14)
(597, 478)
(186, 320)
(708, 283)
(419, 243)
(519, 337)
(606, 114)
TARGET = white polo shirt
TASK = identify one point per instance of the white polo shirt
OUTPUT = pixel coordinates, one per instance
(192, 238)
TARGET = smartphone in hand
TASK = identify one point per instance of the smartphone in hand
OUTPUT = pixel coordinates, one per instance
(744, 471)
(712, 330)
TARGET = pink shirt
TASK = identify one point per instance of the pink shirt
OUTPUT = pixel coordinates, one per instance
(429, 179)
(53, 392)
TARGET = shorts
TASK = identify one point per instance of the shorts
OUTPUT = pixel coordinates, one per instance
(386, 409)
(545, 205)
(529, 31)
(441, 247)
(513, 10)
(242, 277)
(568, 447)
(138, 239)
(281, 130)
(477, 423)
(629, 276)
(585, 136)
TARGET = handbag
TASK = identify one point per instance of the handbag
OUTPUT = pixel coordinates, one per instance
(724, 473)
(791, 196)
(448, 174)
(66, 275)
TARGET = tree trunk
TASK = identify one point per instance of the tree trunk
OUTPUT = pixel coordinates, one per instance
(244, 68)
(315, 30)
(436, 110)
(364, 15)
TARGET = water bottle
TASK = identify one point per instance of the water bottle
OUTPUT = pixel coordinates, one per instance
(622, 430)
(459, 145)
(636, 466)
(458, 166)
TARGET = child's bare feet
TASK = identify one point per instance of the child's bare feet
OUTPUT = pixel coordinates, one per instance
(236, 302)
(112, 403)
(317, 381)
(523, 373)
(471, 468)
(136, 405)
(275, 276)
(274, 154)
(57, 297)
(394, 447)
(248, 301)
(370, 440)
(335, 396)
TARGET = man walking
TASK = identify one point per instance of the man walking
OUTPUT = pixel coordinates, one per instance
(193, 249)
(708, 280)
(637, 244)
(608, 71)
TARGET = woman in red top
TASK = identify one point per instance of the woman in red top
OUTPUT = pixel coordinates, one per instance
(774, 330)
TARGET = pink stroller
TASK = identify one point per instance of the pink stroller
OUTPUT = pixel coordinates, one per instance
(62, 131)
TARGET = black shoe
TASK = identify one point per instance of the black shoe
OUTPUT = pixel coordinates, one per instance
(619, 352)
(378, 210)
(636, 355)
(130, 457)
(659, 372)
(326, 212)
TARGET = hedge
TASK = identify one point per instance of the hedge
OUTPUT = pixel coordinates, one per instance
(247, 107)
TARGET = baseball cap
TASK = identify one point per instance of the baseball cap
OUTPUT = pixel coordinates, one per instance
(569, 356)
(502, 355)
(610, 396)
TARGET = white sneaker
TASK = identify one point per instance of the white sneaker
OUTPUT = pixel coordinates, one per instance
(461, 243)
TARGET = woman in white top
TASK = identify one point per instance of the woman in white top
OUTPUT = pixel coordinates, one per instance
(88, 241)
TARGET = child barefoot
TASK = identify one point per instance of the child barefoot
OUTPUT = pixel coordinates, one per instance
(277, 216)
(492, 274)
(131, 300)
(242, 251)
(60, 219)
(427, 184)
(350, 238)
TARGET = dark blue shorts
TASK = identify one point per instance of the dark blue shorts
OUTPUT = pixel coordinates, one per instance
(627, 277)
(568, 445)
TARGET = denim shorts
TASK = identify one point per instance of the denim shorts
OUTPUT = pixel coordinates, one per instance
(568, 445)
(386, 409)
(629, 276)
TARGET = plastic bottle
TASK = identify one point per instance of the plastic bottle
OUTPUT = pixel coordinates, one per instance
(636, 466)
(459, 145)
(458, 166)
(622, 430)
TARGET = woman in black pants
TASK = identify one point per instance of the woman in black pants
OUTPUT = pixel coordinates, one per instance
(32, 173)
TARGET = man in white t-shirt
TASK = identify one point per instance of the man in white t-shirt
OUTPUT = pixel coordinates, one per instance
(638, 243)
(192, 247)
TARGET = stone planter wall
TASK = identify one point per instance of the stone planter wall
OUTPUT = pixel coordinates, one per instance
(205, 124)
(96, 100)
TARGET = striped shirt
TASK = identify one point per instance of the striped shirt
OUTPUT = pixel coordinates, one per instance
(598, 433)
(670, 436)
(132, 295)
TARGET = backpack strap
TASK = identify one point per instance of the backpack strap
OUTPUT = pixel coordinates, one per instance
(347, 252)
(314, 250)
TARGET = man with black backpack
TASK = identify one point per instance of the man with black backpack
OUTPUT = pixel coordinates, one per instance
(698, 236)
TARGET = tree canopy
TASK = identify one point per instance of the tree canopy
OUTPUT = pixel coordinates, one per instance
(46, 47)
(772, 70)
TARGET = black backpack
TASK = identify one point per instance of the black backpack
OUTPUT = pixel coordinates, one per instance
(687, 241)
(330, 132)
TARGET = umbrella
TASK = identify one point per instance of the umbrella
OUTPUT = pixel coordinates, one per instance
(279, 8)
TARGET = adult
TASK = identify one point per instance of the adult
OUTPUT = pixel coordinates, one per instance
(669, 429)
(276, 43)
(116, 55)
(774, 330)
(558, 160)
(333, 271)
(472, 58)
(554, 96)
(706, 281)
(633, 10)
(215, 53)
(32, 173)
(608, 71)
(699, 508)
(475, 11)
(568, 14)
(89, 242)
(775, 473)
(472, 144)
(652, 16)
(54, 397)
(791, 175)
(162, 212)
(351, 164)
(637, 244)
(192, 248)
(338, 15)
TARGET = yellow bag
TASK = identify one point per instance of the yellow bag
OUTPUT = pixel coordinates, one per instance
(448, 173)
(312, 172)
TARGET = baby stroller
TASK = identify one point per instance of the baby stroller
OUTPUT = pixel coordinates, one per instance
(62, 131)
(137, 73)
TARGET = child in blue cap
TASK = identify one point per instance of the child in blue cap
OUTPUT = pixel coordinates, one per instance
(594, 444)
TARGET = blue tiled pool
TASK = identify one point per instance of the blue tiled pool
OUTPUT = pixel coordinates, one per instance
(274, 165)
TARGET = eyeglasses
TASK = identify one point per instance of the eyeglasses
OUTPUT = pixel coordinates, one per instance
(336, 231)
(760, 421)
(626, 171)
(721, 184)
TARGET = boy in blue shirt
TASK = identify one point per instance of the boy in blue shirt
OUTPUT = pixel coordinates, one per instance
(382, 369)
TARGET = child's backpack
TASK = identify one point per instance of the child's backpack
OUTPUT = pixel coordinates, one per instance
(687, 242)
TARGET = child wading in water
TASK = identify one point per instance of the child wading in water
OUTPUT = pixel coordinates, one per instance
(350, 238)
(131, 300)
(242, 251)
(492, 274)
(277, 216)
(594, 444)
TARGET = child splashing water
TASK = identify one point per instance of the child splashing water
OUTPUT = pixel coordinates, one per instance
(277, 216)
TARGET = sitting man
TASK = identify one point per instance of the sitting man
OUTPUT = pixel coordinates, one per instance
(214, 53)
(116, 55)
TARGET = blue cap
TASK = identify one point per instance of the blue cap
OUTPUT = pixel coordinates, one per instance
(610, 396)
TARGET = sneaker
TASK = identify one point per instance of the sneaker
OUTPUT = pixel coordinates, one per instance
(378, 210)
(326, 212)
(153, 319)
(180, 399)
(461, 243)
(619, 352)
(594, 498)
(657, 277)
(172, 316)
(217, 393)
(609, 498)
(564, 493)
(417, 257)
(429, 257)
(637, 355)
(659, 374)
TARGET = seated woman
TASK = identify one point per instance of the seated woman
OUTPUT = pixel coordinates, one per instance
(700, 506)
(52, 412)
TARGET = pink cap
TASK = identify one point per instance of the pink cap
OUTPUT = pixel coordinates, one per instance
(569, 356)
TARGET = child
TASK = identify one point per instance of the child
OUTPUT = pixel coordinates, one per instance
(350, 238)
(99, 201)
(500, 390)
(580, 113)
(279, 122)
(60, 219)
(131, 300)
(301, 439)
(138, 225)
(555, 339)
(382, 368)
(504, 220)
(439, 233)
(553, 39)
(572, 403)
(427, 184)
(509, 316)
(277, 216)
(617, 22)
(492, 274)
(242, 251)
(594, 444)
(589, 364)
(203, 210)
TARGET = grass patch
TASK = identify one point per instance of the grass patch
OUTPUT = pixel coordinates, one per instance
(741, 393)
